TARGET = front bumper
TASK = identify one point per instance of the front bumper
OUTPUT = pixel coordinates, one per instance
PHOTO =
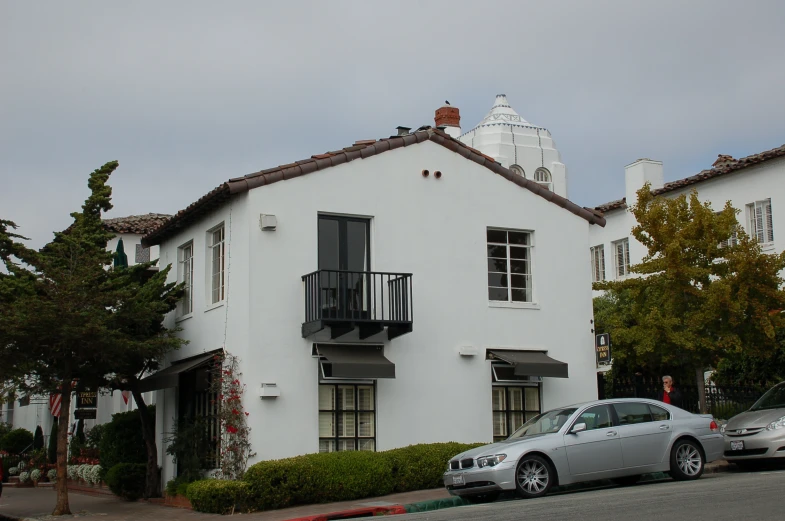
(761, 445)
(481, 480)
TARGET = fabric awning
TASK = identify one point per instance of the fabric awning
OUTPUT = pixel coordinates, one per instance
(170, 377)
(531, 363)
(351, 361)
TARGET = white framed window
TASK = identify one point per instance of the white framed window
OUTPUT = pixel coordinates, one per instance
(621, 255)
(598, 263)
(217, 247)
(185, 257)
(509, 265)
(761, 225)
(517, 170)
(543, 177)
(347, 417)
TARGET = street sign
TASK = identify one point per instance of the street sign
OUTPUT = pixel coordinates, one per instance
(85, 414)
(602, 345)
(86, 399)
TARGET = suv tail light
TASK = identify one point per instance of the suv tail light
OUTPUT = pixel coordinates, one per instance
(713, 426)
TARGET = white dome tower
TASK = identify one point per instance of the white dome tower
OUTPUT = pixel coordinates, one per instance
(526, 149)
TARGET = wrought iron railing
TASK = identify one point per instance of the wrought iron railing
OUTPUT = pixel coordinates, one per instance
(358, 296)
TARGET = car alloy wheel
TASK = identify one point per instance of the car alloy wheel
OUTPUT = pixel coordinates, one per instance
(533, 477)
(686, 461)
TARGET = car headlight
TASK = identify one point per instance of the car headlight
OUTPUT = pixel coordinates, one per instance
(491, 461)
(777, 424)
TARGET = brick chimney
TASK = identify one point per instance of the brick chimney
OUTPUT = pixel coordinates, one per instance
(448, 117)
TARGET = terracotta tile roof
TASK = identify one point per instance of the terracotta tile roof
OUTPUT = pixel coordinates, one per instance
(361, 150)
(141, 224)
(723, 165)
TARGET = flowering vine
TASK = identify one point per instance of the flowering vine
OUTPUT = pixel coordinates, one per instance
(235, 432)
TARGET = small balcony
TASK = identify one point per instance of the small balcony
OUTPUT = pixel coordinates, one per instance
(365, 300)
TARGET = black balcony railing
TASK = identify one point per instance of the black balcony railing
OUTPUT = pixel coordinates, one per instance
(365, 299)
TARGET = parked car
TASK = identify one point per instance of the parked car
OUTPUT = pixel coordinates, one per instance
(617, 439)
(758, 433)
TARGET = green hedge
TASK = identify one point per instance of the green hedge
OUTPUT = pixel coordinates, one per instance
(122, 442)
(16, 441)
(127, 480)
(218, 496)
(346, 476)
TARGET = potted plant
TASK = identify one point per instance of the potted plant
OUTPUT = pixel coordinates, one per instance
(35, 476)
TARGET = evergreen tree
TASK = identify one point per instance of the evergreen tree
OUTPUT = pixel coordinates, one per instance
(38, 438)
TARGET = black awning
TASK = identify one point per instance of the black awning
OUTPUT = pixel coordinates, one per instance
(170, 377)
(354, 361)
(531, 363)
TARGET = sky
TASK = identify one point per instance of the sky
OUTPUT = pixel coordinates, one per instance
(187, 94)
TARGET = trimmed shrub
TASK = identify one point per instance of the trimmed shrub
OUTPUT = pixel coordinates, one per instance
(216, 496)
(346, 476)
(17, 441)
(24, 477)
(122, 441)
(127, 480)
(52, 475)
(13, 471)
(38, 438)
(35, 475)
(177, 486)
(94, 475)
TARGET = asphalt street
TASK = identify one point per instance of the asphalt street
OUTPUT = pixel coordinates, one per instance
(722, 496)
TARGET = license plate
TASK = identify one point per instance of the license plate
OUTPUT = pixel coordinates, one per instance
(737, 445)
(458, 480)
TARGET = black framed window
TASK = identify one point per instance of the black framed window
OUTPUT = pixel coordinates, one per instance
(512, 407)
(347, 417)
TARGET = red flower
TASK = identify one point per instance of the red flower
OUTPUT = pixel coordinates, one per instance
(247, 413)
(231, 429)
(235, 411)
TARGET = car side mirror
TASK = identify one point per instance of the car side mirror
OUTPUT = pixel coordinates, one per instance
(578, 427)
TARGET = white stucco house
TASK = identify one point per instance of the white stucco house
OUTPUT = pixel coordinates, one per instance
(28, 412)
(753, 184)
(398, 291)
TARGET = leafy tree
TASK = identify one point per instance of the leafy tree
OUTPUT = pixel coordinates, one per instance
(38, 438)
(67, 321)
(696, 300)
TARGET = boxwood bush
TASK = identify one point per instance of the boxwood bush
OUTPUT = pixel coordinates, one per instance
(122, 442)
(218, 496)
(16, 441)
(127, 480)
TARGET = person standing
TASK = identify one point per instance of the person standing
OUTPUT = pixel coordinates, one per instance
(669, 392)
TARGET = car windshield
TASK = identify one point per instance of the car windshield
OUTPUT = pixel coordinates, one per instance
(773, 399)
(547, 422)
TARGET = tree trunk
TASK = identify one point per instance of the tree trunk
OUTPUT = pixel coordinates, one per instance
(701, 382)
(152, 486)
(62, 508)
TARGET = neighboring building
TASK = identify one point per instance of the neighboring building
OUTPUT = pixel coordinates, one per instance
(399, 291)
(30, 411)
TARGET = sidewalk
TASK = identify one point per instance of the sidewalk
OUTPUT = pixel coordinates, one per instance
(38, 503)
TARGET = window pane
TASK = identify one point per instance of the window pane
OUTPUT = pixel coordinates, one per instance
(500, 424)
(326, 424)
(519, 281)
(598, 417)
(520, 238)
(366, 400)
(497, 251)
(499, 399)
(346, 397)
(326, 397)
(346, 425)
(631, 413)
(368, 445)
(521, 295)
(532, 399)
(516, 420)
(498, 280)
(346, 445)
(367, 424)
(498, 294)
(497, 265)
(658, 413)
(499, 236)
(516, 398)
(326, 445)
(518, 252)
(519, 266)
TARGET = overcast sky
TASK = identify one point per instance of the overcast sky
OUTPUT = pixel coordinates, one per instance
(186, 94)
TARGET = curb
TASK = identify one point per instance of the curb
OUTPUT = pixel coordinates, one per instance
(353, 513)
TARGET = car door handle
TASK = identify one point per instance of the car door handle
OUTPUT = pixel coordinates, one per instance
(611, 433)
(664, 427)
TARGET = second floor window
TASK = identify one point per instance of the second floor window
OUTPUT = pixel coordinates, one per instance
(598, 263)
(761, 223)
(187, 277)
(217, 271)
(509, 266)
(621, 253)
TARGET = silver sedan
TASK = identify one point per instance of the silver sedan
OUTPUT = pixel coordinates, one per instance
(605, 439)
(758, 433)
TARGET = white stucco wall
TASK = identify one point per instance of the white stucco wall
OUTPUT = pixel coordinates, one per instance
(433, 228)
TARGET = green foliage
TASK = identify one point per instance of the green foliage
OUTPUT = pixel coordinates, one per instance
(127, 480)
(122, 441)
(5, 428)
(177, 486)
(218, 496)
(94, 435)
(52, 448)
(696, 302)
(38, 438)
(16, 441)
(75, 447)
(189, 447)
(346, 476)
